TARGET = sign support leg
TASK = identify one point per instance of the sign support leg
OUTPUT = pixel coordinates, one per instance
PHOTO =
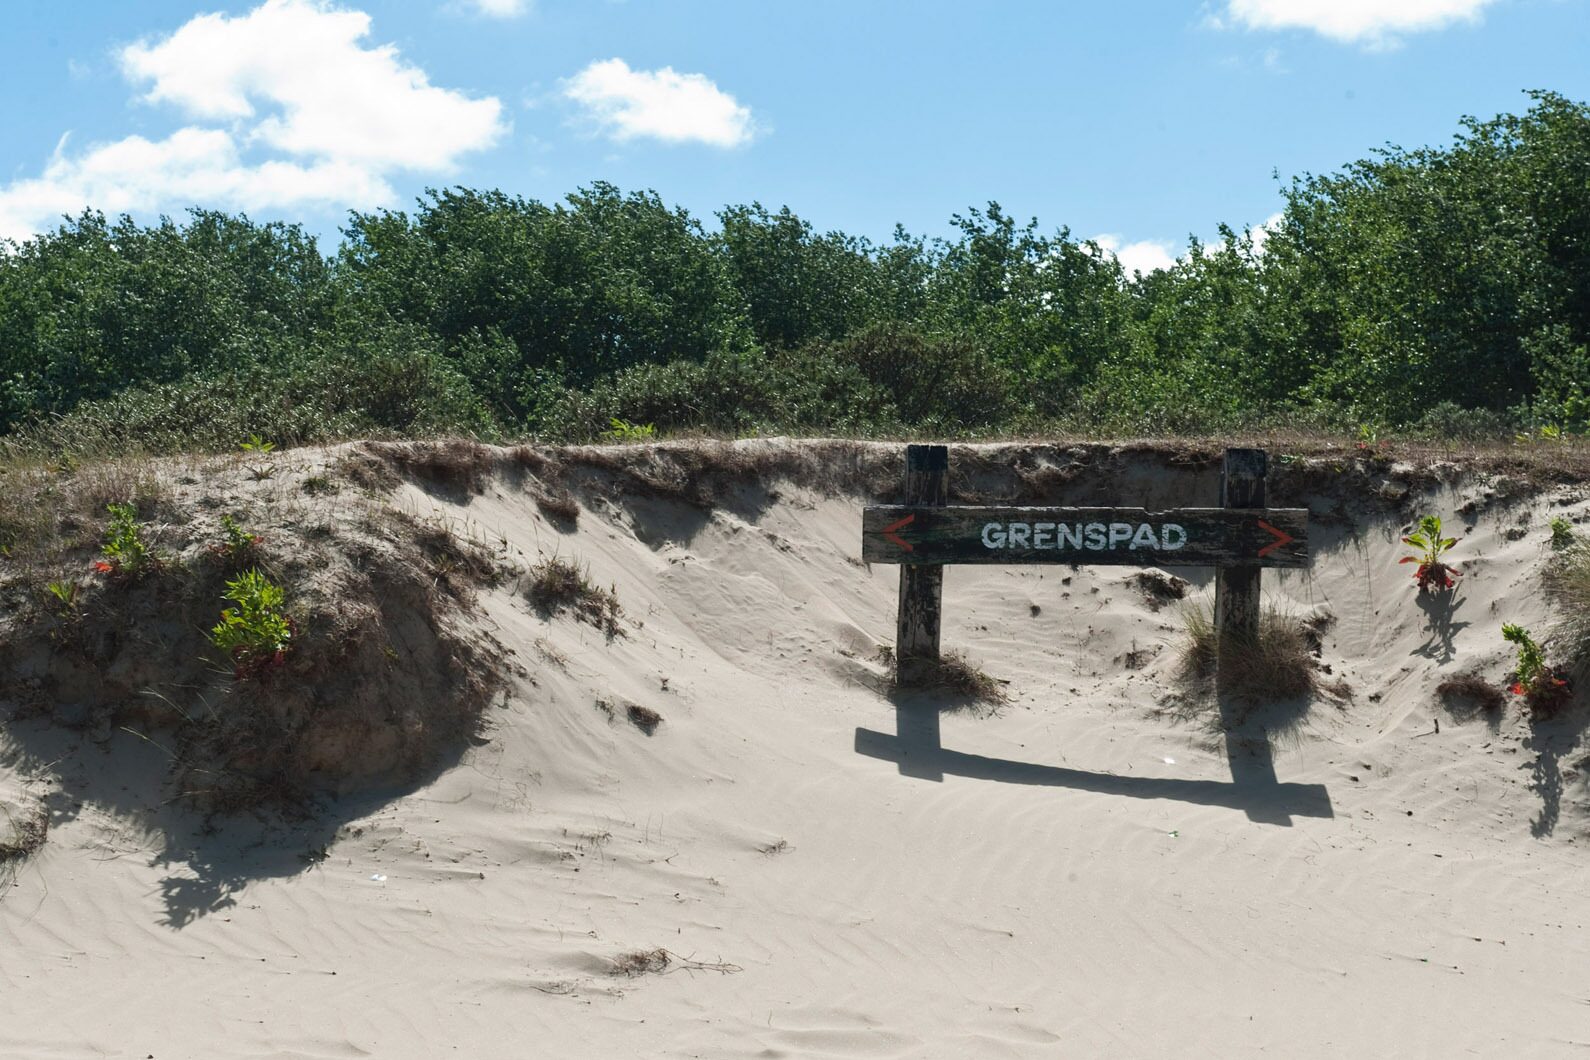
(1242, 485)
(916, 646)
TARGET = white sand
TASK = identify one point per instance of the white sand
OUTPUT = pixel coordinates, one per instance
(1077, 874)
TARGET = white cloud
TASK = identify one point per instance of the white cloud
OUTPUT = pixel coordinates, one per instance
(191, 166)
(1261, 231)
(329, 96)
(1145, 255)
(1375, 22)
(500, 8)
(662, 104)
(289, 109)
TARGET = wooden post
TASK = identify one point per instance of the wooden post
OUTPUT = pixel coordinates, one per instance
(1242, 485)
(916, 643)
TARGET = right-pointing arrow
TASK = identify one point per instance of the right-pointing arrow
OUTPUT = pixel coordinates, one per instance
(1281, 538)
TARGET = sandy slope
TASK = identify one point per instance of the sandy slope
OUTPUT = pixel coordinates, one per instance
(1093, 869)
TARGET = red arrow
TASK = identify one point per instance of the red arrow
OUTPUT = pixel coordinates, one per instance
(889, 532)
(1281, 538)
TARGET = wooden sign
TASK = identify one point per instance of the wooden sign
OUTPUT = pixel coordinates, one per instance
(1132, 537)
(1239, 539)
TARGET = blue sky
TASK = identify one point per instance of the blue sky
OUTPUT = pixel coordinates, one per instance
(1142, 121)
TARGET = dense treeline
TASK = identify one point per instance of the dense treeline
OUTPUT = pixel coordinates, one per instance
(1445, 289)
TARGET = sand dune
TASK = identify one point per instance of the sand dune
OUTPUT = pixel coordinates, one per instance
(1094, 868)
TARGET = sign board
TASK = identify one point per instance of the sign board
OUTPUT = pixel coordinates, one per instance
(1132, 537)
(926, 534)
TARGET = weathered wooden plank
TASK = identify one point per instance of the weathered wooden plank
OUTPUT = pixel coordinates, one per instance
(1200, 537)
(1243, 484)
(916, 644)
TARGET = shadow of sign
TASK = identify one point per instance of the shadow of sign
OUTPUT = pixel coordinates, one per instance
(916, 748)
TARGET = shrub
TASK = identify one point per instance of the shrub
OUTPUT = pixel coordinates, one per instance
(257, 632)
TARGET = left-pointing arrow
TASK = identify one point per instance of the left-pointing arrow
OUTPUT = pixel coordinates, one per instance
(890, 531)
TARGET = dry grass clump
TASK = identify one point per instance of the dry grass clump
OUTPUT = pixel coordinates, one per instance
(644, 718)
(1158, 588)
(25, 524)
(27, 834)
(366, 470)
(557, 585)
(558, 505)
(1471, 693)
(458, 564)
(1277, 664)
(951, 673)
(1567, 581)
(456, 464)
(640, 962)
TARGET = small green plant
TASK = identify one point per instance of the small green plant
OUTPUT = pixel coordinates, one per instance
(126, 554)
(257, 632)
(1368, 438)
(624, 431)
(315, 485)
(259, 447)
(237, 543)
(256, 444)
(1562, 535)
(1544, 688)
(1547, 433)
(68, 595)
(1433, 572)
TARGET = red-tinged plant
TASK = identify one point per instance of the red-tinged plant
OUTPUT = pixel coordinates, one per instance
(1543, 687)
(1432, 573)
(239, 546)
(127, 556)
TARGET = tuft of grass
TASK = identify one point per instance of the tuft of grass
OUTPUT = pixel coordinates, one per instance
(1278, 663)
(557, 585)
(1468, 692)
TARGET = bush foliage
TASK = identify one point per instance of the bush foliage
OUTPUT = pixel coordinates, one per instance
(1444, 290)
